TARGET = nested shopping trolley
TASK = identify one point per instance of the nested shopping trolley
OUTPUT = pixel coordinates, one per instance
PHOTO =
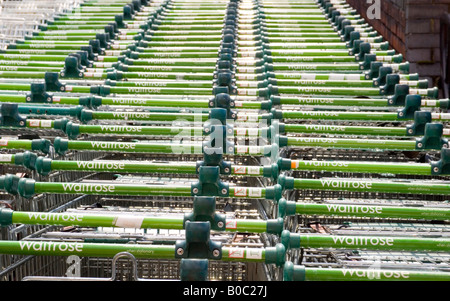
(218, 140)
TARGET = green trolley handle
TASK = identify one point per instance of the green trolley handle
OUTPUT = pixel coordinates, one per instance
(267, 255)
(367, 185)
(8, 217)
(425, 213)
(293, 272)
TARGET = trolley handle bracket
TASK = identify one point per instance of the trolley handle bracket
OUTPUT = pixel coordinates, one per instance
(9, 115)
(38, 94)
(209, 183)
(391, 81)
(442, 167)
(198, 243)
(72, 67)
(432, 138)
(204, 210)
(52, 82)
(399, 97)
(412, 105)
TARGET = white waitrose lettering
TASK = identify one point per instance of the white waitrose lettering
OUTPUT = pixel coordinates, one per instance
(51, 246)
(72, 187)
(375, 274)
(355, 209)
(362, 241)
(345, 184)
(121, 128)
(113, 145)
(100, 165)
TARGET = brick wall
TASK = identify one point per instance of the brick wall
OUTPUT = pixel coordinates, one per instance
(412, 28)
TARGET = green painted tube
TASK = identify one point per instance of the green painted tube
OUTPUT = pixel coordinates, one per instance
(183, 43)
(16, 144)
(139, 147)
(97, 15)
(92, 220)
(176, 62)
(289, 5)
(346, 130)
(325, 76)
(169, 76)
(72, 37)
(316, 67)
(191, 131)
(187, 27)
(301, 273)
(246, 225)
(140, 130)
(159, 32)
(327, 90)
(312, 59)
(307, 35)
(23, 74)
(369, 185)
(29, 69)
(166, 68)
(102, 4)
(127, 221)
(375, 243)
(146, 116)
(31, 57)
(189, 38)
(319, 76)
(290, 30)
(75, 32)
(352, 143)
(75, 27)
(47, 165)
(333, 39)
(35, 66)
(325, 83)
(296, 25)
(50, 46)
(117, 166)
(303, 46)
(44, 42)
(49, 248)
(166, 51)
(155, 102)
(85, 17)
(337, 115)
(89, 9)
(111, 189)
(196, 55)
(362, 167)
(317, 101)
(198, 19)
(426, 213)
(29, 188)
(38, 51)
(319, 16)
(178, 84)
